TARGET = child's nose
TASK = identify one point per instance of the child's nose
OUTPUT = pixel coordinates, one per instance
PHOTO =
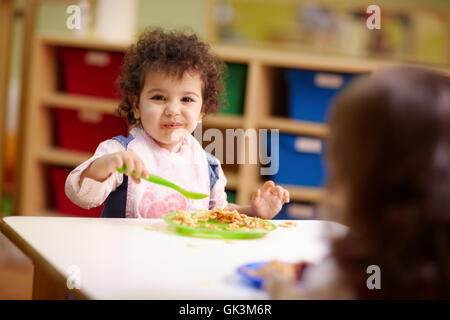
(172, 108)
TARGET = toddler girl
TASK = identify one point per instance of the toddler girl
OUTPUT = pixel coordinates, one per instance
(169, 82)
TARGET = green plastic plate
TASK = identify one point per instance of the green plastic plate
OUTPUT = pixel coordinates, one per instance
(204, 232)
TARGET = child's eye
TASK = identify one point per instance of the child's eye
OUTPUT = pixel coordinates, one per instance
(158, 97)
(187, 99)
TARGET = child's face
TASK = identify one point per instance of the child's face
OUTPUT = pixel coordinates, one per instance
(170, 108)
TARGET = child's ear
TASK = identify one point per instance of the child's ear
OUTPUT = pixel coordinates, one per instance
(200, 116)
(135, 106)
(203, 112)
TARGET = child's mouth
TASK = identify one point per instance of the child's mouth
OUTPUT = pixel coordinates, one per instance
(174, 125)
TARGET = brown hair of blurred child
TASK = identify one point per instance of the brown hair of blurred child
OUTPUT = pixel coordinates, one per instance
(389, 155)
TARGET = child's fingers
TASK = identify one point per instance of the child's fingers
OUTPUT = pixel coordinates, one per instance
(129, 163)
(256, 195)
(268, 185)
(286, 196)
(279, 191)
(130, 168)
(117, 161)
(145, 174)
(275, 191)
(139, 167)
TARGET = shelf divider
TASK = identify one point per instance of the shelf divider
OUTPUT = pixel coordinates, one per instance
(292, 126)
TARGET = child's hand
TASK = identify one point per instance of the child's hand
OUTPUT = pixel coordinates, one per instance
(267, 203)
(104, 166)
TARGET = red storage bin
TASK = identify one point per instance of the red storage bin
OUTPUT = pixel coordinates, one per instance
(83, 130)
(92, 73)
(57, 177)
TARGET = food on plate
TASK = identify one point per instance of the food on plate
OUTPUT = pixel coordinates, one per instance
(232, 220)
(289, 271)
(219, 223)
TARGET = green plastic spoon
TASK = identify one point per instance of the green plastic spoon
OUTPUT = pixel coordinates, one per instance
(164, 182)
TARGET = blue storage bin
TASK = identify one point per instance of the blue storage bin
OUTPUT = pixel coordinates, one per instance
(297, 211)
(300, 160)
(311, 92)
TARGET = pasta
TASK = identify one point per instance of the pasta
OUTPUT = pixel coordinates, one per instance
(233, 220)
(289, 271)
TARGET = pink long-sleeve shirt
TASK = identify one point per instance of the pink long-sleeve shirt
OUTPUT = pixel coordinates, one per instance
(187, 168)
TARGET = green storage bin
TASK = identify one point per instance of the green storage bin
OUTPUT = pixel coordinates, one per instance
(235, 81)
(6, 203)
(231, 196)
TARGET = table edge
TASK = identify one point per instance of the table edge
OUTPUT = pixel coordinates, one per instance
(37, 258)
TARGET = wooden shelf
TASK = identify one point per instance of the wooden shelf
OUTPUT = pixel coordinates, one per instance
(295, 59)
(302, 194)
(282, 58)
(291, 58)
(295, 126)
(223, 121)
(61, 157)
(93, 43)
(241, 54)
(79, 102)
(305, 193)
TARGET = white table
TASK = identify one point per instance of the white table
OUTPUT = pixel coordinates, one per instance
(146, 259)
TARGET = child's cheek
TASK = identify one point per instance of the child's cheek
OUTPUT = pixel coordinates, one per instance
(193, 121)
(151, 106)
(191, 126)
(152, 110)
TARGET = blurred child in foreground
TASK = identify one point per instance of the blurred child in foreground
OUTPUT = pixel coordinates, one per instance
(389, 161)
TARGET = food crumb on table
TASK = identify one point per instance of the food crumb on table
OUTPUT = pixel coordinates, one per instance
(205, 283)
(150, 228)
(193, 245)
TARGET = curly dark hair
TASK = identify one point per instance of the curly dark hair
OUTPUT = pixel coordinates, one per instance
(389, 149)
(175, 53)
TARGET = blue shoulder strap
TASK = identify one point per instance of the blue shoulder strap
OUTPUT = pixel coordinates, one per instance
(115, 205)
(213, 169)
(124, 140)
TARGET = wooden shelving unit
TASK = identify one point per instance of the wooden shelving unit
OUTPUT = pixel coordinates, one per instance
(262, 67)
(6, 30)
(294, 37)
